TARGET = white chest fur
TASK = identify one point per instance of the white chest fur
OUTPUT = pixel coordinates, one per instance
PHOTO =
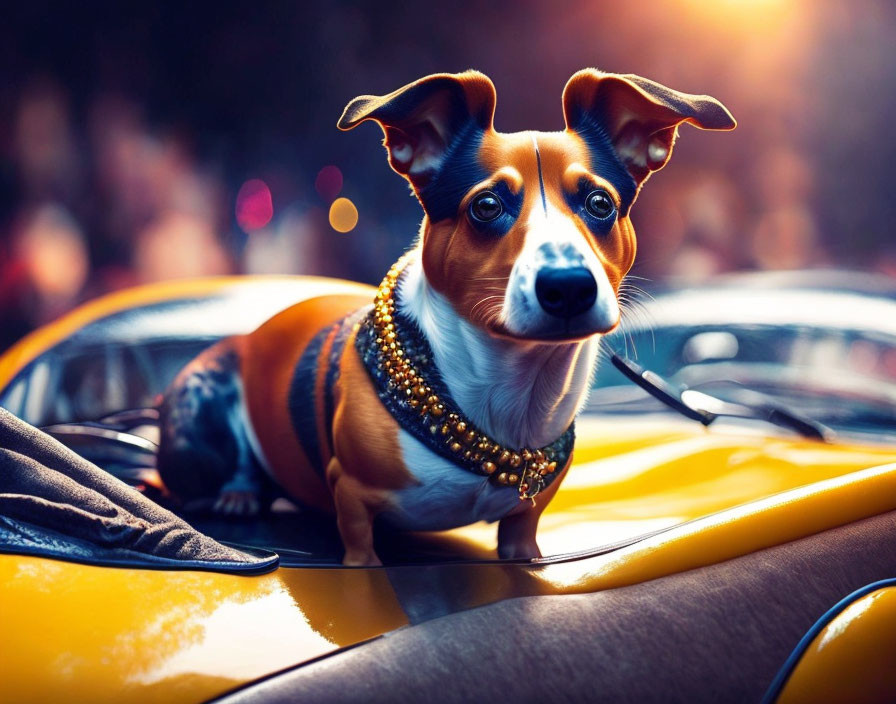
(445, 495)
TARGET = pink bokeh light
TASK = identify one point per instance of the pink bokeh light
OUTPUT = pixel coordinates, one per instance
(328, 183)
(254, 205)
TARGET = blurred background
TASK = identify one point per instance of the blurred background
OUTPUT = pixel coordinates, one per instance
(159, 141)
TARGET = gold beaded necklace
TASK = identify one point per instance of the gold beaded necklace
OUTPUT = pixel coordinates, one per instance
(530, 470)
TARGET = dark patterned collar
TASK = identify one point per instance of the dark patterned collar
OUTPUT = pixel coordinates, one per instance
(400, 363)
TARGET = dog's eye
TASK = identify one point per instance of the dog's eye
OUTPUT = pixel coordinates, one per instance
(599, 204)
(486, 207)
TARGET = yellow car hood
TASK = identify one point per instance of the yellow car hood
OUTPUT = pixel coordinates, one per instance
(76, 632)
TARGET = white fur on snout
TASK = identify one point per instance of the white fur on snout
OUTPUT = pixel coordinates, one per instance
(522, 394)
(522, 314)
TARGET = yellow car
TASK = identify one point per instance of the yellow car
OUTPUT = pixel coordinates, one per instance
(725, 534)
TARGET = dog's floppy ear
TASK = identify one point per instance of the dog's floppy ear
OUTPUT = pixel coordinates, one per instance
(639, 117)
(425, 118)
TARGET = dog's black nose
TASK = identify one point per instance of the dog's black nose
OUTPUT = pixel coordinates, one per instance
(565, 291)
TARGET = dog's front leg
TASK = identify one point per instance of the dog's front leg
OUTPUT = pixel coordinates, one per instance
(354, 517)
(516, 532)
(240, 496)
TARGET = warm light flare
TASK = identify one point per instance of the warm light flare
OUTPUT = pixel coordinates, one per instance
(742, 15)
(343, 215)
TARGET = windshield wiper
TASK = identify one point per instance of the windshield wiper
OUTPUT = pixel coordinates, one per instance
(705, 409)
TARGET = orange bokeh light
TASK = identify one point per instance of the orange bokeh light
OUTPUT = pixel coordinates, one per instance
(343, 215)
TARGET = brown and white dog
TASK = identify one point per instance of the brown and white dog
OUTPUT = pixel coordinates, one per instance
(453, 397)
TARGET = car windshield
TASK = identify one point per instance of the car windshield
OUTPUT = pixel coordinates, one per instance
(844, 378)
(78, 382)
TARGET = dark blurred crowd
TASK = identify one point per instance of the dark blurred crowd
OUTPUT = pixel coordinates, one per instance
(160, 142)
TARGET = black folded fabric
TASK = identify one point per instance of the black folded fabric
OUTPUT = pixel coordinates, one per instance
(57, 504)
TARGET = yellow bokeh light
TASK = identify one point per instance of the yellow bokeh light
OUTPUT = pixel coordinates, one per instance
(343, 215)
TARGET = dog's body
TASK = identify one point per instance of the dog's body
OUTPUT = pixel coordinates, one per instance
(515, 275)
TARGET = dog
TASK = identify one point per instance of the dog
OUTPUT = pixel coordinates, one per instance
(451, 397)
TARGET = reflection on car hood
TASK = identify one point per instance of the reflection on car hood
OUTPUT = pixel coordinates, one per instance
(633, 475)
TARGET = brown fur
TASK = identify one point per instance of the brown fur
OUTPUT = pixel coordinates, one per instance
(268, 360)
(368, 463)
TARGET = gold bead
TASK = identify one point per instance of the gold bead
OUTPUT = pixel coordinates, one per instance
(412, 373)
(468, 454)
(424, 409)
(477, 456)
(539, 455)
(456, 447)
(470, 437)
(504, 458)
(552, 466)
(437, 410)
(512, 479)
(483, 445)
(515, 460)
(526, 455)
(414, 402)
(432, 400)
(489, 467)
(461, 427)
(502, 478)
(387, 318)
(452, 418)
(524, 487)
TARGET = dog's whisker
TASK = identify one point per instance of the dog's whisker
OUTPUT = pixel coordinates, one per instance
(485, 300)
(636, 318)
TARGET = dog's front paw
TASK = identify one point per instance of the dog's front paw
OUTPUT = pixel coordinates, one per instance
(237, 502)
(523, 550)
(354, 558)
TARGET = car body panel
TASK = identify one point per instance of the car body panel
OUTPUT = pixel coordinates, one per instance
(127, 635)
(40, 340)
(851, 659)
